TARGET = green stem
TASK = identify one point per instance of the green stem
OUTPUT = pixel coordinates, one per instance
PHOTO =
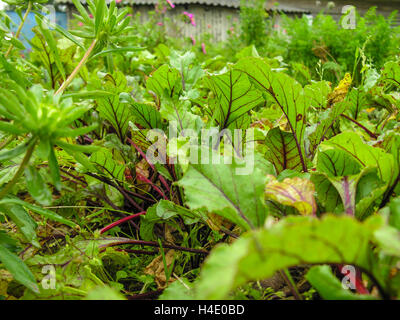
(19, 172)
(77, 69)
(20, 27)
(109, 61)
(292, 285)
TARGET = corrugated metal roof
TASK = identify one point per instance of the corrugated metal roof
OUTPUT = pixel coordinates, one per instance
(289, 9)
(223, 3)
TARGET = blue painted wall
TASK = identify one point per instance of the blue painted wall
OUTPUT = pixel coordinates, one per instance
(26, 33)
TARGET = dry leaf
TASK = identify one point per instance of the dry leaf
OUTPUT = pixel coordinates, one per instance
(5, 279)
(215, 222)
(262, 124)
(142, 169)
(156, 268)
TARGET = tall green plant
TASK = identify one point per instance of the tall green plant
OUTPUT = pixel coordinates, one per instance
(253, 22)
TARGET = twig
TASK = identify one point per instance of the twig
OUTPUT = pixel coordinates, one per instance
(73, 176)
(153, 244)
(137, 251)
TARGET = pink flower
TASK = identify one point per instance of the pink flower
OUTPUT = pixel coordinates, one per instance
(209, 26)
(171, 4)
(191, 17)
(276, 26)
(193, 40)
(129, 15)
(118, 1)
(203, 48)
(90, 16)
(80, 24)
(159, 23)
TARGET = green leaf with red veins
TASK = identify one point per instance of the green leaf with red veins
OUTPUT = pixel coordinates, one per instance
(111, 108)
(358, 102)
(234, 97)
(285, 92)
(218, 189)
(324, 128)
(164, 82)
(364, 154)
(282, 150)
(391, 74)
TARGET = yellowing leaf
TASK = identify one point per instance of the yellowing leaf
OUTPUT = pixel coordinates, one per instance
(295, 192)
(216, 221)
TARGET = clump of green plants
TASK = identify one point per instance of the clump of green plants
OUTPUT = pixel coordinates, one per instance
(309, 42)
(253, 23)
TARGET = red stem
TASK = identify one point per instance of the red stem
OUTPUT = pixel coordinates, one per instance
(120, 221)
(360, 288)
(143, 178)
(163, 181)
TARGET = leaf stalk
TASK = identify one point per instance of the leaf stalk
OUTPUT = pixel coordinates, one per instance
(20, 27)
(77, 69)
